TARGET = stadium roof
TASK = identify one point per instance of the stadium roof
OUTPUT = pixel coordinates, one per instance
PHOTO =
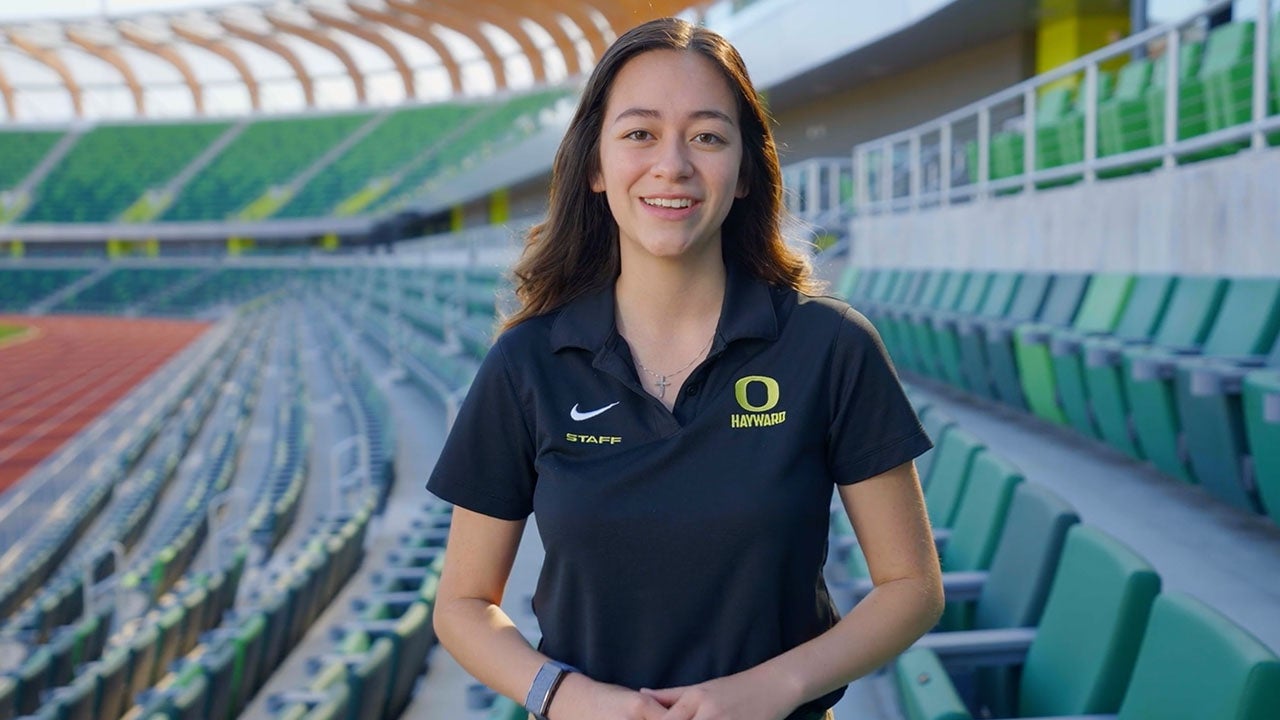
(301, 54)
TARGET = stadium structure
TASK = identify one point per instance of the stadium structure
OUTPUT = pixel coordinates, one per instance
(251, 255)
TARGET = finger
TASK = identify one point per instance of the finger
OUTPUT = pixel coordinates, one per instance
(666, 696)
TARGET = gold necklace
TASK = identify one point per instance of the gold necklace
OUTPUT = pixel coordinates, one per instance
(661, 378)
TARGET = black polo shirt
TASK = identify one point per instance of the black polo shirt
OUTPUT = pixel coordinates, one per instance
(686, 545)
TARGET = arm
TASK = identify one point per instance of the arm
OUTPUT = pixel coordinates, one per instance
(887, 511)
(481, 637)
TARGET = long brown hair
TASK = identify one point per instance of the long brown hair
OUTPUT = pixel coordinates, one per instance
(575, 250)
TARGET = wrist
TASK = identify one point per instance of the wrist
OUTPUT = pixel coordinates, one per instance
(546, 683)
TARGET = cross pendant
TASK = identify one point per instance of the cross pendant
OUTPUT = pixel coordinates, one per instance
(662, 386)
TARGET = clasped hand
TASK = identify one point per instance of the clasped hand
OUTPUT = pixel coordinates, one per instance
(735, 697)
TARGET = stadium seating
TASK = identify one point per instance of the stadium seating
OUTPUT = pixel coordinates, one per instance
(19, 289)
(22, 151)
(1141, 315)
(111, 166)
(1077, 660)
(269, 153)
(402, 136)
(123, 288)
(1245, 326)
(1099, 312)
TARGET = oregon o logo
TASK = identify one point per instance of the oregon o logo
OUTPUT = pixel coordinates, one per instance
(772, 393)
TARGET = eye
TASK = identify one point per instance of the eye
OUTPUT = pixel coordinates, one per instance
(707, 138)
(638, 135)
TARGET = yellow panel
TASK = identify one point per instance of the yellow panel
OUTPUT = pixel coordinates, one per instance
(17, 249)
(151, 247)
(500, 206)
(456, 215)
(1068, 32)
(329, 242)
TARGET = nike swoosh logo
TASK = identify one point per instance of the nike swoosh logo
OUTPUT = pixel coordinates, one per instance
(580, 416)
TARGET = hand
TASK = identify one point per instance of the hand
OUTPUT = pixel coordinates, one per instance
(734, 697)
(581, 698)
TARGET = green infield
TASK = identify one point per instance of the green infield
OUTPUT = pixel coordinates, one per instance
(8, 331)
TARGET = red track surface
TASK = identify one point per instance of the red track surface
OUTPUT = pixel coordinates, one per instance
(76, 368)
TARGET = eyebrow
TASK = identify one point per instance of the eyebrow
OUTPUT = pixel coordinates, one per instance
(695, 115)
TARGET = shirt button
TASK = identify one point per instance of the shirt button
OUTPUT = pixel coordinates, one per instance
(692, 389)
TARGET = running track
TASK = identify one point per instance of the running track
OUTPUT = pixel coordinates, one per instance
(71, 372)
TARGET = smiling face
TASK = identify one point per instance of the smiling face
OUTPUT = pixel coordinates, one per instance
(670, 154)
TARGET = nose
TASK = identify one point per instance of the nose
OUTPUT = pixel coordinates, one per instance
(672, 160)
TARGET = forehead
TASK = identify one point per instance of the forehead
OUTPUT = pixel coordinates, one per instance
(673, 82)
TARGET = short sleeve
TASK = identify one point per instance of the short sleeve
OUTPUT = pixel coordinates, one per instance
(874, 428)
(487, 462)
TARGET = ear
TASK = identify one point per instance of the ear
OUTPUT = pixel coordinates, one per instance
(597, 183)
(741, 190)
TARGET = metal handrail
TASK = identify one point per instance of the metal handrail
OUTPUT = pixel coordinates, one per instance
(874, 161)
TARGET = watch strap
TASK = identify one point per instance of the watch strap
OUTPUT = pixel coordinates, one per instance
(544, 686)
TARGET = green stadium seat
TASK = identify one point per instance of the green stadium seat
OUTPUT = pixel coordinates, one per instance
(78, 700)
(940, 327)
(937, 424)
(1211, 409)
(952, 466)
(1019, 300)
(991, 301)
(33, 679)
(1192, 307)
(1061, 300)
(1122, 118)
(1012, 593)
(1194, 663)
(1224, 85)
(923, 290)
(922, 343)
(1079, 658)
(1262, 427)
(1193, 111)
(1245, 326)
(1137, 323)
(1070, 129)
(1099, 312)
(979, 522)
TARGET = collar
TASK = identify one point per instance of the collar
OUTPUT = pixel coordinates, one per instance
(589, 322)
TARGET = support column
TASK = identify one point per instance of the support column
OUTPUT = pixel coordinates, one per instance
(499, 206)
(1071, 28)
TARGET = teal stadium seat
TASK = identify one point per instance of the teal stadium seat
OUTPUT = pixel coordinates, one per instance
(1077, 661)
(1018, 300)
(1211, 408)
(1061, 300)
(1245, 326)
(1185, 324)
(921, 341)
(1141, 316)
(1099, 312)
(1194, 663)
(1262, 426)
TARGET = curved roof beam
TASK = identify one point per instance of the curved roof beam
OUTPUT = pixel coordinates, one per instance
(373, 38)
(273, 45)
(115, 59)
(226, 53)
(512, 11)
(509, 23)
(319, 38)
(579, 14)
(412, 26)
(467, 26)
(10, 100)
(168, 54)
(50, 59)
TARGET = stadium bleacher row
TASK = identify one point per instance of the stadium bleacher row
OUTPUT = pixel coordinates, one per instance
(1179, 371)
(301, 167)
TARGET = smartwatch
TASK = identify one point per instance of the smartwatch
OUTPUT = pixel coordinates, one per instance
(544, 686)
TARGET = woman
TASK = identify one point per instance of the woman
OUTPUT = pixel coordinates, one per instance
(677, 412)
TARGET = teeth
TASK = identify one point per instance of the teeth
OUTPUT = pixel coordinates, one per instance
(669, 202)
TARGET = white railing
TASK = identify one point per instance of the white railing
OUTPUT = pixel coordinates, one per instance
(948, 160)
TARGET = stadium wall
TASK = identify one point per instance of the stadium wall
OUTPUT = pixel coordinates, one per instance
(832, 124)
(1219, 217)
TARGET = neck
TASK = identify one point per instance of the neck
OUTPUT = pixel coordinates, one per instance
(658, 298)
